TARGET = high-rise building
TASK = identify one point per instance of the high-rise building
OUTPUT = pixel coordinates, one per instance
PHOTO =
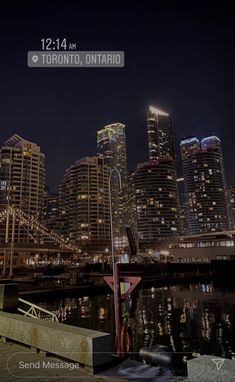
(189, 147)
(160, 134)
(155, 181)
(51, 211)
(132, 212)
(203, 173)
(156, 199)
(182, 207)
(230, 191)
(111, 146)
(84, 204)
(22, 181)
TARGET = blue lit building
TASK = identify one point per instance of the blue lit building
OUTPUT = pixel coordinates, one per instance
(203, 172)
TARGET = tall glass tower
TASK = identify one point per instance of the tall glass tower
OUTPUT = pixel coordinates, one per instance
(155, 182)
(156, 199)
(111, 145)
(160, 134)
(204, 178)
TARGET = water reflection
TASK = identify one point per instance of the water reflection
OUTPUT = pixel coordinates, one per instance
(193, 318)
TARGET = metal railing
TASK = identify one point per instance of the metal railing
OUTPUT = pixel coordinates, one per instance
(37, 312)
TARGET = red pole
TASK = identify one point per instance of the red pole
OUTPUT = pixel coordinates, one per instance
(117, 307)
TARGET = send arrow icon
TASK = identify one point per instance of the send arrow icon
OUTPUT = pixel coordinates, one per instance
(218, 362)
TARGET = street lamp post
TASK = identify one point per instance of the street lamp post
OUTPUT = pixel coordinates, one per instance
(116, 278)
(5, 259)
(110, 207)
(12, 243)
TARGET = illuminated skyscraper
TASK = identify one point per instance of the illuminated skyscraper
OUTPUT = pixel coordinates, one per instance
(155, 182)
(111, 145)
(156, 199)
(203, 172)
(189, 147)
(182, 207)
(132, 213)
(231, 206)
(160, 135)
(84, 204)
(22, 181)
(51, 210)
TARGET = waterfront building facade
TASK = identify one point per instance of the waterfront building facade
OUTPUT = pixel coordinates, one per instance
(51, 210)
(84, 204)
(156, 201)
(22, 182)
(203, 247)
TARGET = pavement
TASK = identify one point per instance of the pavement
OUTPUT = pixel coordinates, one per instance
(21, 364)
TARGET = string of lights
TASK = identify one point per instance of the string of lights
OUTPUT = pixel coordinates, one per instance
(33, 224)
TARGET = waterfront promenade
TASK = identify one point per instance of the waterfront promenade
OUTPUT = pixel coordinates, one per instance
(11, 354)
(32, 350)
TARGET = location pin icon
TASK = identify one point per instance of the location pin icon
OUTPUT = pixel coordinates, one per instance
(35, 59)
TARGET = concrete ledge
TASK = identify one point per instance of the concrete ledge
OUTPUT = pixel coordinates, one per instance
(89, 348)
(210, 369)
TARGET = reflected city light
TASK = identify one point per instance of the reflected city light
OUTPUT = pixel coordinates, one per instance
(186, 318)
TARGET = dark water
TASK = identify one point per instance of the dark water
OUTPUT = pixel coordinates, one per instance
(193, 318)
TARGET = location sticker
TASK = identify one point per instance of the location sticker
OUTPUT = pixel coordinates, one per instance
(35, 58)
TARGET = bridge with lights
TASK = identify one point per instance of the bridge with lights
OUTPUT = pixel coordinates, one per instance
(40, 239)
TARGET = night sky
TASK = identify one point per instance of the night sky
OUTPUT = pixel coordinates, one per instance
(179, 57)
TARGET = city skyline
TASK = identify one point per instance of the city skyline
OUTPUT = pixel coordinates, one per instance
(117, 189)
(54, 187)
(178, 57)
(81, 211)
